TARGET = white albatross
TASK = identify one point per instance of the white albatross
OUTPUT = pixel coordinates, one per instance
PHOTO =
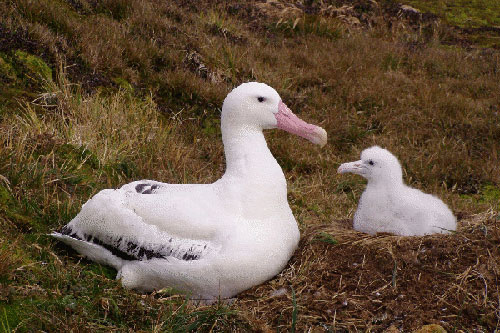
(207, 240)
(388, 205)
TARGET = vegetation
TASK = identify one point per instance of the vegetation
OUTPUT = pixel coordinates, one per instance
(94, 94)
(463, 13)
(476, 21)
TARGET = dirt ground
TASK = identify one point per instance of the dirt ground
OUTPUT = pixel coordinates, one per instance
(348, 281)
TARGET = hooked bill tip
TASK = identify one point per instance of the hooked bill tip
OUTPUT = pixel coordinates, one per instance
(321, 137)
(288, 121)
(350, 167)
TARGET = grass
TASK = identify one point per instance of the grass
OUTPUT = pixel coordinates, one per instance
(373, 282)
(294, 312)
(326, 238)
(97, 94)
(5, 322)
(462, 13)
(479, 20)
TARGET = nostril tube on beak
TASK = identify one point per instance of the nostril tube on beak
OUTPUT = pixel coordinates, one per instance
(353, 167)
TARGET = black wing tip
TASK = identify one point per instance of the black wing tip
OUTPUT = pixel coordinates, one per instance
(146, 188)
(142, 253)
(68, 231)
(140, 187)
(133, 251)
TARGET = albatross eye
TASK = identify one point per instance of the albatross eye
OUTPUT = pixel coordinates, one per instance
(261, 99)
(371, 162)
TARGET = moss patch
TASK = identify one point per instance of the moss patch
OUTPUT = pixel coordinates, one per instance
(491, 194)
(479, 20)
(7, 72)
(463, 13)
(35, 67)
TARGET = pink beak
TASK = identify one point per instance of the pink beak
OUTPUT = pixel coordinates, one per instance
(289, 122)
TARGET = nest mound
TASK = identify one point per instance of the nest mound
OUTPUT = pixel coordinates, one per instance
(343, 280)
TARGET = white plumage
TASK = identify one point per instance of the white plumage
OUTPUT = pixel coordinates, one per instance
(208, 240)
(388, 205)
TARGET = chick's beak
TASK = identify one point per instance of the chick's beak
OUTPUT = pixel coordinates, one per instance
(352, 167)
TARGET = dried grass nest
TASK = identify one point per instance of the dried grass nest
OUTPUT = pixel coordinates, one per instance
(342, 280)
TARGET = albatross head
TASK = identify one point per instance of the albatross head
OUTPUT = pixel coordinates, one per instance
(257, 105)
(376, 164)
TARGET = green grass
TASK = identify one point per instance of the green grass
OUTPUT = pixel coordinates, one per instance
(96, 94)
(463, 13)
(326, 238)
(476, 16)
(36, 68)
(491, 194)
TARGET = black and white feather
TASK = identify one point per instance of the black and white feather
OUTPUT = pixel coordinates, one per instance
(147, 188)
(131, 248)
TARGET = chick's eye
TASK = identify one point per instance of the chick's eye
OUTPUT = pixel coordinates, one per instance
(261, 99)
(371, 162)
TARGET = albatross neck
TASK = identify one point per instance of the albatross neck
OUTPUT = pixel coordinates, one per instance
(247, 154)
(391, 184)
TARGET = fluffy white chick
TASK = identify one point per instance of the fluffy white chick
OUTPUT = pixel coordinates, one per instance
(388, 205)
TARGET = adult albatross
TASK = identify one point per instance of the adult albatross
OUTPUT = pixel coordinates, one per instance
(208, 240)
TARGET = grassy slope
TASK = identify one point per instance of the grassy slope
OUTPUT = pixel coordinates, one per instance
(95, 94)
(478, 20)
(475, 13)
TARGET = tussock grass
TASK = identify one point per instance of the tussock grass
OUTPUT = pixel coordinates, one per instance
(9, 260)
(125, 90)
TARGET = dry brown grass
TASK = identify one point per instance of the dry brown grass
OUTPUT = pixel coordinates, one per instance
(9, 261)
(382, 80)
(373, 282)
